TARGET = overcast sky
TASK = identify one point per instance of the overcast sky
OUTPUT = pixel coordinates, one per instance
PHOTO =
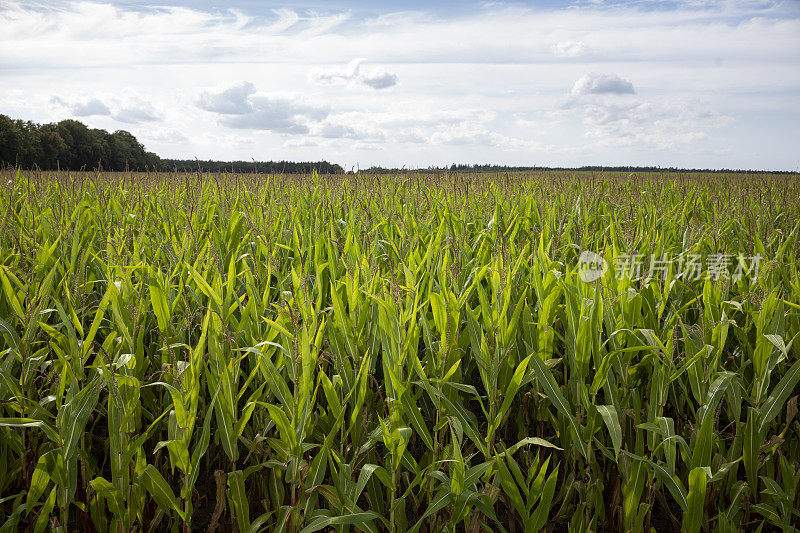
(692, 84)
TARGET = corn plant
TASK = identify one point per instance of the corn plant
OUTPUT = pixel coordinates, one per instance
(399, 353)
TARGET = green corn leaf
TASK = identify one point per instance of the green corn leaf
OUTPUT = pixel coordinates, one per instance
(74, 416)
(287, 433)
(555, 396)
(238, 496)
(112, 495)
(204, 286)
(716, 390)
(364, 476)
(160, 305)
(777, 399)
(439, 501)
(511, 392)
(610, 417)
(9, 333)
(352, 519)
(510, 488)
(751, 446)
(44, 513)
(177, 403)
(703, 443)
(159, 489)
(677, 491)
(693, 517)
(413, 414)
(39, 480)
(47, 428)
(538, 518)
(537, 441)
(11, 295)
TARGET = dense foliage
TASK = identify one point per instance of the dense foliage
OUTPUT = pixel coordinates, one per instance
(485, 168)
(396, 353)
(266, 167)
(71, 145)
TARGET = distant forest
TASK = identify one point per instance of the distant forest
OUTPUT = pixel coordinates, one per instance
(242, 167)
(71, 145)
(490, 168)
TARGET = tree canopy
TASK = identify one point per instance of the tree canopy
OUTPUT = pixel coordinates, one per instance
(71, 145)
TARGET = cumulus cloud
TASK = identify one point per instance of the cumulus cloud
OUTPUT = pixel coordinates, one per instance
(400, 124)
(340, 127)
(91, 107)
(451, 61)
(83, 34)
(642, 125)
(602, 84)
(228, 100)
(613, 116)
(127, 106)
(281, 115)
(131, 107)
(466, 135)
(569, 49)
(241, 106)
(379, 79)
(353, 75)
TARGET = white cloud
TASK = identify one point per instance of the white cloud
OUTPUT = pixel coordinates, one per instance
(353, 75)
(482, 84)
(379, 79)
(281, 115)
(348, 126)
(331, 130)
(645, 125)
(101, 34)
(400, 125)
(132, 107)
(569, 49)
(228, 100)
(466, 135)
(93, 106)
(335, 75)
(127, 106)
(602, 84)
(240, 106)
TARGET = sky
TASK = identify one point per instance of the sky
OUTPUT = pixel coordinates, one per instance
(692, 84)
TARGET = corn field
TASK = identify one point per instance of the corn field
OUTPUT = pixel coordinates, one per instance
(184, 352)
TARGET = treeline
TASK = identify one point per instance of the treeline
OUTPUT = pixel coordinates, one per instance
(71, 145)
(489, 168)
(594, 168)
(241, 167)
